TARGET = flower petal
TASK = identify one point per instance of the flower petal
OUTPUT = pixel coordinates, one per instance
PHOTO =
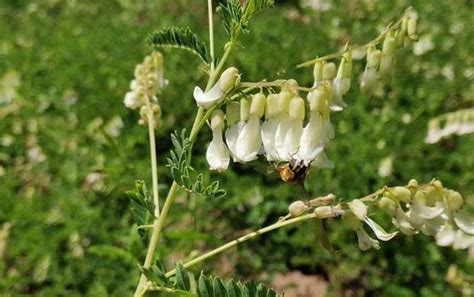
(231, 135)
(268, 138)
(209, 98)
(464, 221)
(280, 135)
(365, 241)
(402, 222)
(446, 236)
(463, 240)
(379, 231)
(249, 140)
(358, 208)
(292, 137)
(217, 154)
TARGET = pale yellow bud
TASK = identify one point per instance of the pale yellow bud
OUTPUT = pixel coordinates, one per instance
(387, 205)
(322, 201)
(296, 110)
(412, 28)
(413, 184)
(284, 99)
(420, 197)
(291, 85)
(232, 113)
(318, 71)
(345, 67)
(217, 120)
(455, 200)
(401, 194)
(329, 71)
(358, 208)
(319, 99)
(297, 208)
(258, 104)
(229, 79)
(244, 109)
(373, 60)
(329, 211)
(271, 108)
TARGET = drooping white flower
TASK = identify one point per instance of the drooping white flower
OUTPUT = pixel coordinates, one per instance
(295, 126)
(269, 128)
(234, 127)
(365, 241)
(464, 221)
(370, 76)
(462, 240)
(214, 95)
(446, 236)
(217, 154)
(318, 130)
(342, 82)
(249, 139)
(283, 126)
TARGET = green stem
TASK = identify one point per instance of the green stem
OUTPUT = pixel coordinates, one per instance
(211, 32)
(244, 238)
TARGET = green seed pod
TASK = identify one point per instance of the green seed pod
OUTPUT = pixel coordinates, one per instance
(258, 104)
(455, 200)
(297, 208)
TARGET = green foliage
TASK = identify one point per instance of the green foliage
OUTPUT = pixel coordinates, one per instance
(184, 284)
(142, 205)
(183, 38)
(184, 174)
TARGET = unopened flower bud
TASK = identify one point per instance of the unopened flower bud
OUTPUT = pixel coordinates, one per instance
(387, 205)
(345, 67)
(297, 208)
(420, 197)
(271, 108)
(412, 28)
(438, 184)
(455, 200)
(296, 109)
(329, 211)
(284, 101)
(217, 120)
(413, 184)
(319, 99)
(258, 104)
(358, 208)
(232, 113)
(388, 51)
(373, 59)
(244, 109)
(229, 79)
(401, 194)
(291, 85)
(318, 72)
(322, 201)
(329, 71)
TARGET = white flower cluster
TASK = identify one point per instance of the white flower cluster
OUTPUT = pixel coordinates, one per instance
(148, 81)
(278, 124)
(460, 122)
(430, 209)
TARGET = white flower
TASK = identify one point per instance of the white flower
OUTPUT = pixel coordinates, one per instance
(269, 128)
(215, 94)
(463, 240)
(446, 236)
(217, 154)
(130, 100)
(249, 140)
(365, 241)
(209, 98)
(464, 221)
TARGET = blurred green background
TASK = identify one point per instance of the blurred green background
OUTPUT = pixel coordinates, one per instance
(69, 149)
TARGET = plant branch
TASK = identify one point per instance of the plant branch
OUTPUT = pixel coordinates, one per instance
(373, 42)
(211, 32)
(277, 225)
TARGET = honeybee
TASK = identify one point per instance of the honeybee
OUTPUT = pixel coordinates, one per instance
(294, 172)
